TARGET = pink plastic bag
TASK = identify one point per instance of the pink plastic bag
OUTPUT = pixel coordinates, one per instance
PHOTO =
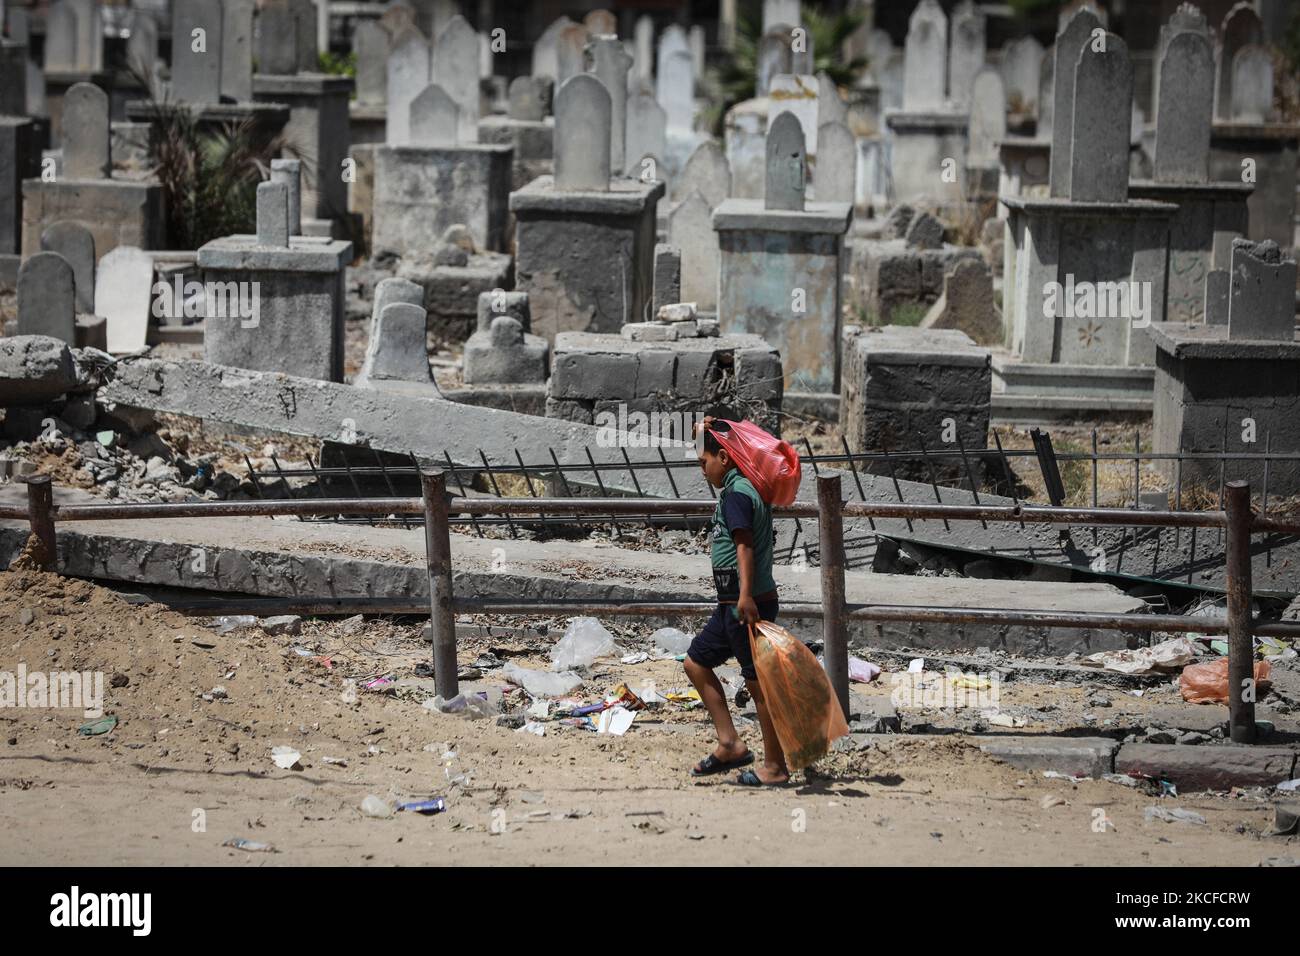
(772, 465)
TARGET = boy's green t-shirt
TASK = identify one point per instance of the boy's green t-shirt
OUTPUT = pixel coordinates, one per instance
(722, 550)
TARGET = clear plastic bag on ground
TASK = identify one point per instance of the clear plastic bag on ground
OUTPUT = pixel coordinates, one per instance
(771, 465)
(584, 640)
(799, 696)
(671, 641)
(541, 683)
(1208, 683)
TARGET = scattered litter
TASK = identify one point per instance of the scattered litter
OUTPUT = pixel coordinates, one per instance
(1168, 789)
(863, 672)
(334, 761)
(1057, 775)
(615, 721)
(379, 683)
(582, 723)
(1286, 820)
(472, 707)
(1165, 656)
(916, 665)
(542, 683)
(232, 622)
(969, 681)
(1123, 779)
(304, 652)
(282, 624)
(249, 846)
(541, 709)
(650, 696)
(671, 640)
(1051, 800)
(426, 807)
(585, 640)
(999, 719)
(638, 658)
(1172, 815)
(286, 758)
(349, 695)
(1219, 647)
(1271, 647)
(372, 806)
(689, 699)
(1208, 683)
(1289, 785)
(532, 727)
(96, 728)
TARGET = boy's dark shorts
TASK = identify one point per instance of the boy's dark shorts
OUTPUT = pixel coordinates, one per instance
(724, 637)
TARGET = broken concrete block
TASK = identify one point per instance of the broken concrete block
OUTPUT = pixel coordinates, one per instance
(709, 328)
(667, 276)
(1261, 304)
(1207, 768)
(925, 232)
(649, 332)
(897, 222)
(967, 304)
(34, 370)
(676, 312)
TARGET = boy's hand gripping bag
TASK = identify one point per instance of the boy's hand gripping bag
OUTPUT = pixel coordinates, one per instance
(770, 463)
(799, 696)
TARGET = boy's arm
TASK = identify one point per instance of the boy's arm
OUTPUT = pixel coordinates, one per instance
(746, 609)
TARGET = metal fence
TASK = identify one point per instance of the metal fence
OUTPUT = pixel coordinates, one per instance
(437, 507)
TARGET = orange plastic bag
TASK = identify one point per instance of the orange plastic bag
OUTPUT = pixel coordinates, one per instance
(1208, 683)
(772, 465)
(799, 696)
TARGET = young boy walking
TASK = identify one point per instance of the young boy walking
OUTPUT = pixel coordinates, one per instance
(741, 553)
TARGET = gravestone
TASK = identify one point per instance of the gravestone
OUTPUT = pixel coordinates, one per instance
(47, 302)
(1261, 302)
(545, 52)
(707, 172)
(530, 98)
(289, 172)
(1070, 43)
(1252, 85)
(780, 12)
(610, 63)
(967, 303)
(196, 51)
(306, 29)
(397, 351)
(1099, 162)
(142, 45)
(834, 177)
(601, 23)
(1218, 286)
(273, 215)
(455, 69)
(966, 57)
(786, 177)
(408, 75)
(582, 123)
(831, 107)
(988, 119)
(643, 41)
(61, 38)
(434, 118)
(774, 58)
(695, 40)
(798, 95)
(237, 50)
(86, 133)
(1046, 94)
(90, 35)
(1241, 27)
(647, 126)
(570, 47)
(123, 296)
(1183, 110)
(1022, 64)
(690, 229)
(1188, 18)
(925, 58)
(371, 44)
(675, 90)
(75, 244)
(667, 277)
(277, 38)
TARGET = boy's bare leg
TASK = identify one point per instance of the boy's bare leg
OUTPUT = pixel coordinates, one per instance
(773, 768)
(715, 702)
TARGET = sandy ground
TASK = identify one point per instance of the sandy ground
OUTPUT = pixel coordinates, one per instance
(181, 774)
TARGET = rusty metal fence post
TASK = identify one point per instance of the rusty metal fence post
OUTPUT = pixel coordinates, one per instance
(40, 512)
(1241, 647)
(830, 535)
(437, 543)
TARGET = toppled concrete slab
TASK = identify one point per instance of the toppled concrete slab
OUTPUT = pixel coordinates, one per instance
(1077, 756)
(1208, 768)
(287, 558)
(35, 369)
(430, 428)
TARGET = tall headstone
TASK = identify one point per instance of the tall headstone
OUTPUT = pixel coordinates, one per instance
(798, 95)
(90, 35)
(831, 107)
(76, 245)
(1022, 63)
(530, 98)
(647, 127)
(1241, 27)
(582, 123)
(289, 172)
(1069, 45)
(545, 53)
(780, 12)
(1046, 94)
(988, 118)
(774, 57)
(196, 51)
(273, 215)
(690, 229)
(1187, 18)
(675, 90)
(86, 133)
(695, 39)
(371, 43)
(60, 38)
(786, 174)
(1261, 302)
(611, 62)
(237, 50)
(601, 23)
(455, 69)
(47, 302)
(835, 176)
(306, 25)
(570, 52)
(707, 172)
(435, 117)
(966, 57)
(643, 38)
(1184, 109)
(1252, 85)
(277, 38)
(142, 44)
(123, 294)
(1103, 85)
(925, 58)
(408, 75)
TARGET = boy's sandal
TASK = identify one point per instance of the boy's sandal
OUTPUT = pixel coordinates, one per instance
(750, 779)
(711, 764)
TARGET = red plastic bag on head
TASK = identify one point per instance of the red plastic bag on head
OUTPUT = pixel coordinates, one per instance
(800, 700)
(771, 465)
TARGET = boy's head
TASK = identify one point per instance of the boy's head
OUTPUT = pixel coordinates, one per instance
(714, 460)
